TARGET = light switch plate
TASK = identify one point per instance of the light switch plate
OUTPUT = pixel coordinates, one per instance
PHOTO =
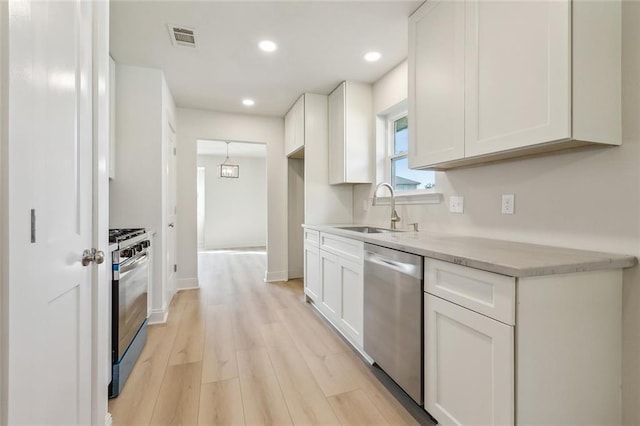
(456, 204)
(508, 203)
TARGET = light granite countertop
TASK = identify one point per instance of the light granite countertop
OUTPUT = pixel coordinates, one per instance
(503, 257)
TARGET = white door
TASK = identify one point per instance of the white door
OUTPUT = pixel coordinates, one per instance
(171, 215)
(436, 83)
(469, 366)
(518, 88)
(49, 292)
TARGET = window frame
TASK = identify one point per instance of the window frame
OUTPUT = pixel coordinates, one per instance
(390, 154)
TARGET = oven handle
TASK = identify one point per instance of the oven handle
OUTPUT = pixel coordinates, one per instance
(130, 264)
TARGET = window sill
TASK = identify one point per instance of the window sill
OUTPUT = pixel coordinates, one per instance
(411, 198)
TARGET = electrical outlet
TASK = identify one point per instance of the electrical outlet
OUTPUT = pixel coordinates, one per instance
(456, 204)
(508, 203)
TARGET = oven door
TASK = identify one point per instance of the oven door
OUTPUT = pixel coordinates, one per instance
(133, 286)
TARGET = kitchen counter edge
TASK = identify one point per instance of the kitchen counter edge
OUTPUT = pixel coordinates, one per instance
(503, 257)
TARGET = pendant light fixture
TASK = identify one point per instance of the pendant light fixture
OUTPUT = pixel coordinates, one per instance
(228, 170)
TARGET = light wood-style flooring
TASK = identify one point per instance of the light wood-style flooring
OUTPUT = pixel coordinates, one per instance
(242, 351)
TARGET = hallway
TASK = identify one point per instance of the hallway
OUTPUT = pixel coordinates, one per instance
(241, 351)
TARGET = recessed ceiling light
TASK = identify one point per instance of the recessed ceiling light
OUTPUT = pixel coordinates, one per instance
(372, 56)
(268, 46)
(248, 102)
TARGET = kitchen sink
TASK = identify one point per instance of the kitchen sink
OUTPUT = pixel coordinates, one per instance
(368, 229)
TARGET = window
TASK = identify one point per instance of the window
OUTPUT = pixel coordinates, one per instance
(402, 177)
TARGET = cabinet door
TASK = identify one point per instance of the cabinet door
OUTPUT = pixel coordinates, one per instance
(337, 135)
(330, 281)
(294, 127)
(312, 272)
(352, 312)
(469, 366)
(436, 83)
(518, 88)
(351, 133)
(289, 132)
(359, 140)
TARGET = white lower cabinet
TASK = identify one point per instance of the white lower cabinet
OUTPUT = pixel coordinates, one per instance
(564, 330)
(469, 365)
(312, 271)
(334, 281)
(330, 281)
(342, 300)
(311, 263)
(352, 312)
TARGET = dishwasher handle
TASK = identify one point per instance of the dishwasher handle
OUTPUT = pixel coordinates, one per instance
(388, 263)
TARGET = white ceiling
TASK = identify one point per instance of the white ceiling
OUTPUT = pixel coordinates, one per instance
(320, 44)
(236, 149)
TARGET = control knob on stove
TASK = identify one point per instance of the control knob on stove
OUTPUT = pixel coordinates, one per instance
(146, 243)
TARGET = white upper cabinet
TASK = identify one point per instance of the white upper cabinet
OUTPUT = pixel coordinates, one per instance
(351, 133)
(294, 127)
(517, 83)
(436, 76)
(490, 80)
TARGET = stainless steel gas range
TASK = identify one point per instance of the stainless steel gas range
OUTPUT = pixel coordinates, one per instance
(129, 288)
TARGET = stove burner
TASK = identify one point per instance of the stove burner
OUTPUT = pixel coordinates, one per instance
(118, 235)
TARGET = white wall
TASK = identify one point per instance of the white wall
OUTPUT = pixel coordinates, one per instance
(587, 199)
(324, 203)
(295, 213)
(143, 103)
(168, 197)
(235, 209)
(198, 124)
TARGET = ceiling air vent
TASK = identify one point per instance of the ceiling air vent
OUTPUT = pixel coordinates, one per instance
(182, 36)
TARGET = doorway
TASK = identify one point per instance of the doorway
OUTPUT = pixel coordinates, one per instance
(232, 200)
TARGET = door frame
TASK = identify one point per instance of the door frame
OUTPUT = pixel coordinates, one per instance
(101, 274)
(3, 210)
(200, 200)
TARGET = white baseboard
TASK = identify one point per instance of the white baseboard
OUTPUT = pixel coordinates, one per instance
(234, 246)
(296, 273)
(158, 316)
(108, 420)
(274, 276)
(188, 284)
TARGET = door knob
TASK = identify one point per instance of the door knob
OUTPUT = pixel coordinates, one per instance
(92, 255)
(171, 225)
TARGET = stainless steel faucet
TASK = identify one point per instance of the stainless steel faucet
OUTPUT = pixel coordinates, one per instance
(394, 214)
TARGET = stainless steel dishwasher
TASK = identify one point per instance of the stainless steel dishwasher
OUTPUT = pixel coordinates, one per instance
(393, 315)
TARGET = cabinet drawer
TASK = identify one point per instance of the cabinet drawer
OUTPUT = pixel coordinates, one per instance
(311, 237)
(344, 247)
(484, 292)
